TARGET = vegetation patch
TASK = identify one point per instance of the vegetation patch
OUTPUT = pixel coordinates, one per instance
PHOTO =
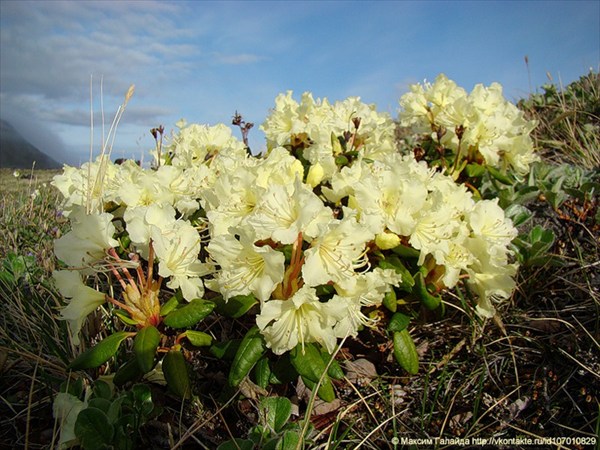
(366, 283)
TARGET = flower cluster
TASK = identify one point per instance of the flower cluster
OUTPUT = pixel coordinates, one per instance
(326, 132)
(482, 125)
(305, 229)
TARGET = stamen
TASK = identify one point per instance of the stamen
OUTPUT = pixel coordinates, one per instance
(150, 263)
(120, 305)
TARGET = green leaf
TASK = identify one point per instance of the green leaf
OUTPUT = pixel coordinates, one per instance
(405, 352)
(141, 393)
(225, 350)
(7, 278)
(325, 391)
(126, 420)
(287, 252)
(103, 404)
(93, 429)
(390, 301)
(325, 290)
(102, 389)
(406, 251)
(169, 306)
(590, 187)
(310, 365)
(307, 360)
(124, 317)
(429, 301)
(556, 198)
(190, 314)
(518, 214)
(101, 352)
(532, 249)
(289, 440)
(259, 434)
(283, 372)
(539, 234)
(73, 387)
(237, 444)
(501, 177)
(144, 347)
(176, 374)
(578, 194)
(114, 410)
(124, 242)
(16, 266)
(526, 194)
(198, 338)
(398, 322)
(123, 440)
(250, 351)
(334, 370)
(474, 170)
(236, 306)
(271, 444)
(142, 399)
(262, 372)
(341, 160)
(276, 411)
(127, 372)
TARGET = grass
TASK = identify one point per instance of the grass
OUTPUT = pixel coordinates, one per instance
(568, 118)
(533, 372)
(34, 347)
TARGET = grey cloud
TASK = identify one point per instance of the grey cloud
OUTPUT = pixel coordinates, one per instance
(52, 51)
(146, 116)
(47, 50)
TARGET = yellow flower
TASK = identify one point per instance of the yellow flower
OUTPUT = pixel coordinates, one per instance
(140, 220)
(335, 253)
(177, 249)
(369, 290)
(285, 211)
(88, 240)
(487, 220)
(246, 268)
(82, 300)
(300, 319)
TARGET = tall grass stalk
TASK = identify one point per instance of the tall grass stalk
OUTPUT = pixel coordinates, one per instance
(569, 120)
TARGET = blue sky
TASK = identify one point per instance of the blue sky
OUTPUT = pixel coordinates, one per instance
(202, 61)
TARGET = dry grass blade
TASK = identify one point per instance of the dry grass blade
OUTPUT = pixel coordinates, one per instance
(580, 364)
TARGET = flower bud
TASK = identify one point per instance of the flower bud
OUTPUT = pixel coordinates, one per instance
(387, 240)
(315, 175)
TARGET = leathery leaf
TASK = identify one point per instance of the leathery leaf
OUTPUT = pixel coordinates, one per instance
(308, 362)
(144, 347)
(176, 374)
(405, 351)
(189, 315)
(249, 352)
(101, 352)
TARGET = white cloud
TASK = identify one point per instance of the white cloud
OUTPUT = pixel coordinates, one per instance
(238, 59)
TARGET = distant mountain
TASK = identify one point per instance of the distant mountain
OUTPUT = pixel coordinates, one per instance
(17, 153)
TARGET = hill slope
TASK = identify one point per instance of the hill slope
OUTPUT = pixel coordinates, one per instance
(17, 153)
